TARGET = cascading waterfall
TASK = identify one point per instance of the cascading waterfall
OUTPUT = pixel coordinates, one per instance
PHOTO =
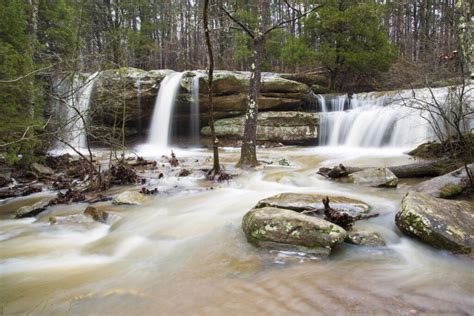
(375, 120)
(76, 96)
(139, 97)
(194, 115)
(162, 114)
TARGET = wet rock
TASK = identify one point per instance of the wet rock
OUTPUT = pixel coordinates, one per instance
(365, 238)
(5, 177)
(283, 229)
(32, 210)
(41, 169)
(273, 127)
(300, 202)
(448, 185)
(184, 173)
(440, 223)
(96, 214)
(129, 198)
(374, 177)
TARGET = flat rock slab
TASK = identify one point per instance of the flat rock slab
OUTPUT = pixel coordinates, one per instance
(443, 224)
(300, 202)
(374, 177)
(284, 229)
(446, 186)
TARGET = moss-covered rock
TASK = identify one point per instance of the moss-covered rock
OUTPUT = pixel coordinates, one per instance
(300, 202)
(277, 127)
(440, 223)
(278, 228)
(365, 238)
(374, 177)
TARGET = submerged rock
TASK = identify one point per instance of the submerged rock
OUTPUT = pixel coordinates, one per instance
(96, 214)
(283, 229)
(273, 127)
(440, 223)
(448, 185)
(374, 177)
(365, 238)
(129, 198)
(300, 202)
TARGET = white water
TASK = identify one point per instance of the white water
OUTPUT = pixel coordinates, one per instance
(378, 120)
(75, 100)
(161, 122)
(194, 116)
(189, 244)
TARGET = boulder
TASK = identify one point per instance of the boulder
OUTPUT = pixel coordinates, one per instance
(96, 214)
(374, 177)
(273, 127)
(283, 229)
(129, 198)
(300, 202)
(448, 185)
(440, 223)
(32, 210)
(41, 170)
(365, 238)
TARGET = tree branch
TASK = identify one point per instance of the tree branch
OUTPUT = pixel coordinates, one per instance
(242, 26)
(27, 75)
(279, 25)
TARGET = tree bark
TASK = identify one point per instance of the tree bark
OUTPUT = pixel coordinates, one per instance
(465, 29)
(248, 153)
(215, 141)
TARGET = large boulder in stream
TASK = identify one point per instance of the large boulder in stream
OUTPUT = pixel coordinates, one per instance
(374, 177)
(288, 128)
(443, 224)
(448, 185)
(283, 229)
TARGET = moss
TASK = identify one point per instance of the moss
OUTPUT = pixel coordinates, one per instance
(450, 190)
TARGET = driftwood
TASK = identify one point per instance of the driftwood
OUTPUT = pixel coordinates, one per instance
(19, 190)
(338, 217)
(413, 170)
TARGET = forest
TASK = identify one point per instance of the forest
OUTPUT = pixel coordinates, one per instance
(236, 157)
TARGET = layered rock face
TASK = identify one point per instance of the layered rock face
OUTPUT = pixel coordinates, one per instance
(130, 93)
(288, 128)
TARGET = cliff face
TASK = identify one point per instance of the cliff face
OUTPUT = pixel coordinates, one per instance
(131, 93)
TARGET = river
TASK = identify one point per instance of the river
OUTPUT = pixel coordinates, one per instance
(184, 252)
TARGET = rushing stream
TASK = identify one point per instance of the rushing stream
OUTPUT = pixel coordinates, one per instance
(184, 252)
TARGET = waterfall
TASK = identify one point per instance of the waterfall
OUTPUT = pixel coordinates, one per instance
(162, 114)
(322, 103)
(139, 96)
(375, 120)
(73, 108)
(194, 113)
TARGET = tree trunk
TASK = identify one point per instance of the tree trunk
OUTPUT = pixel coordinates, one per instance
(215, 141)
(248, 153)
(465, 29)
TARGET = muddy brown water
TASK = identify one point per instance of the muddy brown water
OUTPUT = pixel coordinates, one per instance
(185, 253)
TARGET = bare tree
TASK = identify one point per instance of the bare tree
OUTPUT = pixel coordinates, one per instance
(248, 153)
(215, 142)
